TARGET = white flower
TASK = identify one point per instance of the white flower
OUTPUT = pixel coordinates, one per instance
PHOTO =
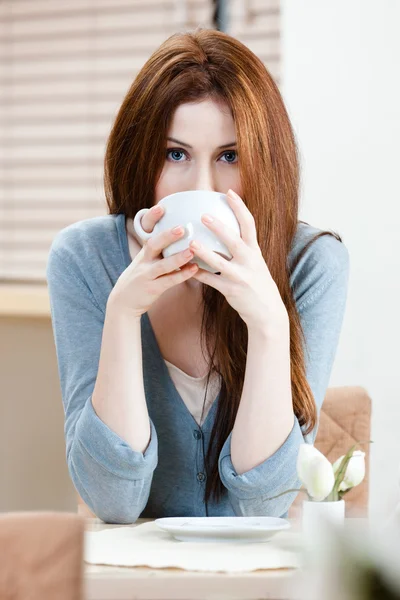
(315, 471)
(355, 471)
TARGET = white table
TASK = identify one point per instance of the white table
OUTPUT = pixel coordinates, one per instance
(142, 583)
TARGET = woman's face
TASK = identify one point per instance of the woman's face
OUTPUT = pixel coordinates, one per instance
(202, 155)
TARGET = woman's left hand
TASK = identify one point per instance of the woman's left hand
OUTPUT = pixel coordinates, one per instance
(245, 280)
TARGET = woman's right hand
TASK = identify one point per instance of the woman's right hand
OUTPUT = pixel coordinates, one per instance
(149, 274)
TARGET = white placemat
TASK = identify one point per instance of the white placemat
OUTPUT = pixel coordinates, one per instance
(147, 545)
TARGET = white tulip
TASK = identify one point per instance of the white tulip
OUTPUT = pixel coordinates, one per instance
(355, 471)
(315, 471)
(306, 453)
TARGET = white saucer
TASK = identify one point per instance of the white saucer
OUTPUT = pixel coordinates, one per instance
(222, 529)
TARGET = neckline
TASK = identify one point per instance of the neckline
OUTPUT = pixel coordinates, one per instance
(145, 319)
(166, 375)
(194, 379)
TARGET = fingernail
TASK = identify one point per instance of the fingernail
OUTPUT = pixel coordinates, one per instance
(178, 229)
(208, 218)
(156, 210)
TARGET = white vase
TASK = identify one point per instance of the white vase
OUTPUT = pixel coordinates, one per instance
(317, 516)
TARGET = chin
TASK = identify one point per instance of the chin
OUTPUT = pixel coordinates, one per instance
(193, 283)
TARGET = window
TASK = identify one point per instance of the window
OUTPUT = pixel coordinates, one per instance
(64, 70)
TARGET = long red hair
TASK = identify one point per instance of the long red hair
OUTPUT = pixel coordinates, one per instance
(209, 64)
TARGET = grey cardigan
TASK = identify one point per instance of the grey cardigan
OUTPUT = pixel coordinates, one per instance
(120, 484)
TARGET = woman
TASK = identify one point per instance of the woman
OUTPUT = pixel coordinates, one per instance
(139, 337)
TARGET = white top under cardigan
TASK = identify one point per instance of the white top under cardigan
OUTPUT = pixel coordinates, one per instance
(192, 390)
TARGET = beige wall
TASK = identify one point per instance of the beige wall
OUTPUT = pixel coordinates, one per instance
(348, 133)
(34, 474)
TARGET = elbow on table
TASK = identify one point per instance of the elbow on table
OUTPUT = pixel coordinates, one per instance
(118, 515)
(262, 507)
(112, 499)
(117, 508)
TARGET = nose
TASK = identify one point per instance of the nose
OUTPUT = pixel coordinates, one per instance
(204, 179)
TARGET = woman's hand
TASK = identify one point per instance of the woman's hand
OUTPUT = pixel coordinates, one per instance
(149, 274)
(245, 280)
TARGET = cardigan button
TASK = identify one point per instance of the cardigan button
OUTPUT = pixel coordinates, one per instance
(197, 434)
(201, 476)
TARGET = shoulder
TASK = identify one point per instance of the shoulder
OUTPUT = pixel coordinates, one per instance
(322, 261)
(85, 234)
(326, 250)
(88, 252)
(89, 244)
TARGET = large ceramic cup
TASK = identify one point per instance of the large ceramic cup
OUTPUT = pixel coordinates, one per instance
(186, 209)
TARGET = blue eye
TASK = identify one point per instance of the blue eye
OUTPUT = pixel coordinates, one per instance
(230, 152)
(174, 151)
(173, 155)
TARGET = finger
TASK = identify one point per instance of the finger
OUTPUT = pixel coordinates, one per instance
(229, 237)
(170, 279)
(151, 217)
(172, 263)
(211, 279)
(214, 260)
(155, 245)
(248, 231)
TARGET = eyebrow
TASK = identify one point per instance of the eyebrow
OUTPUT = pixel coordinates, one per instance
(188, 146)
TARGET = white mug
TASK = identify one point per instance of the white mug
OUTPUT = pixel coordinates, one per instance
(186, 208)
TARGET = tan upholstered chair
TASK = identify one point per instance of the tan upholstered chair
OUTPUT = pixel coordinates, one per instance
(345, 418)
(41, 556)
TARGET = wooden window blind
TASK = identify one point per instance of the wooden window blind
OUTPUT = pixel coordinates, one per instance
(256, 23)
(64, 70)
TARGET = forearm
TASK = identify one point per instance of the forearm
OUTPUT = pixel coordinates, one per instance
(265, 414)
(118, 396)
